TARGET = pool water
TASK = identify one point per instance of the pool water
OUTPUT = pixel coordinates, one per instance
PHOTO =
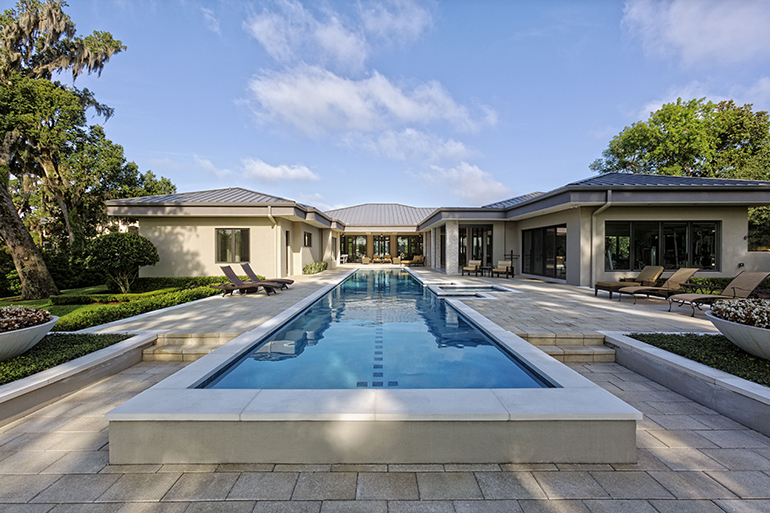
(377, 329)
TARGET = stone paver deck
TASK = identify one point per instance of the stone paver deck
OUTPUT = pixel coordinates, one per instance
(690, 459)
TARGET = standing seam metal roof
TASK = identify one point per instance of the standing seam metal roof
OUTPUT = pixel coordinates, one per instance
(229, 195)
(380, 214)
(639, 180)
(513, 201)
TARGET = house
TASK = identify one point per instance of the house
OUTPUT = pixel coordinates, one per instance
(595, 229)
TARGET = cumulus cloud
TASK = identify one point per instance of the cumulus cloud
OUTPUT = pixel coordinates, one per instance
(260, 170)
(316, 101)
(318, 201)
(411, 144)
(211, 21)
(468, 182)
(210, 168)
(400, 21)
(713, 31)
(290, 33)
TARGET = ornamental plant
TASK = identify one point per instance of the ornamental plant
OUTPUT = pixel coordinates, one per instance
(20, 317)
(752, 312)
(120, 255)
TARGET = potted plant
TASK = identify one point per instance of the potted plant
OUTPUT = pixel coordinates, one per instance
(745, 322)
(21, 328)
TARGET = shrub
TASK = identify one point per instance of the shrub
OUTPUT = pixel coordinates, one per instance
(87, 299)
(82, 319)
(147, 284)
(722, 282)
(13, 283)
(314, 268)
(120, 255)
(753, 312)
(68, 269)
(20, 317)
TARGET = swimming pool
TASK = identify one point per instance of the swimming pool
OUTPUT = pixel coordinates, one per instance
(378, 328)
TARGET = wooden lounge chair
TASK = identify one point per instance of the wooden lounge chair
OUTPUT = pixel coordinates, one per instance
(671, 286)
(742, 286)
(474, 266)
(285, 282)
(244, 287)
(503, 267)
(647, 278)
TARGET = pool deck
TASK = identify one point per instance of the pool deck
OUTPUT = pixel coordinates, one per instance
(689, 457)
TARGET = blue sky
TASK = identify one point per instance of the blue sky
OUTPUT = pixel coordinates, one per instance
(456, 103)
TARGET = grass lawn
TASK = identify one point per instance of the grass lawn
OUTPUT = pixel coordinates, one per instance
(57, 310)
(53, 350)
(713, 350)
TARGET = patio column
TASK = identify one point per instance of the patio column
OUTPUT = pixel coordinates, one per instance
(426, 242)
(436, 256)
(452, 248)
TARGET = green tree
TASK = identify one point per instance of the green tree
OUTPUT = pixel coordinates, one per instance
(701, 139)
(37, 39)
(120, 255)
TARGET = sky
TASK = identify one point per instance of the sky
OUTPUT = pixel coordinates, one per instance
(424, 103)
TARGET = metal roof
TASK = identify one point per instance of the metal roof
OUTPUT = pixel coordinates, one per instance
(380, 214)
(639, 180)
(513, 201)
(231, 195)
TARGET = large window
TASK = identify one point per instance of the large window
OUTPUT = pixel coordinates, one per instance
(381, 244)
(232, 245)
(545, 251)
(409, 245)
(354, 246)
(633, 245)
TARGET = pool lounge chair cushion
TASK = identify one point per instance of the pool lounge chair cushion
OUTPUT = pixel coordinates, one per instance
(648, 277)
(285, 282)
(474, 266)
(503, 267)
(672, 285)
(742, 286)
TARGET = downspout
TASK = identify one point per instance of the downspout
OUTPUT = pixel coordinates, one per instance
(277, 238)
(607, 204)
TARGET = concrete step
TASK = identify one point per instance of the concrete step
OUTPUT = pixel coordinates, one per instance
(563, 339)
(580, 354)
(175, 347)
(195, 339)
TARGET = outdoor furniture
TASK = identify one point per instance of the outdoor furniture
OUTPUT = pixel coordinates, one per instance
(376, 259)
(365, 260)
(343, 259)
(386, 259)
(485, 270)
(472, 267)
(503, 267)
(244, 287)
(647, 278)
(418, 260)
(397, 260)
(285, 282)
(672, 285)
(742, 286)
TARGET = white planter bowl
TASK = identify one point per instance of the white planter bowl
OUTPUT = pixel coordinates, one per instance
(749, 338)
(13, 343)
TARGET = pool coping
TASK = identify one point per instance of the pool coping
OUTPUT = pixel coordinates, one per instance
(175, 400)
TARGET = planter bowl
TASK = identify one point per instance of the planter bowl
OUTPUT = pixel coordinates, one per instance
(13, 343)
(749, 338)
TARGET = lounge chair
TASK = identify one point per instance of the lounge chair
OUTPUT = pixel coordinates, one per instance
(647, 278)
(503, 267)
(244, 287)
(376, 259)
(387, 260)
(365, 260)
(419, 260)
(285, 282)
(396, 260)
(671, 286)
(742, 286)
(474, 266)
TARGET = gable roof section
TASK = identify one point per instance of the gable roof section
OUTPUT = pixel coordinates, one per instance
(639, 180)
(231, 195)
(380, 214)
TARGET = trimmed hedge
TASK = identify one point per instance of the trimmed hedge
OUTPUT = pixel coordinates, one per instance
(53, 350)
(186, 282)
(87, 299)
(722, 282)
(82, 319)
(713, 350)
(314, 268)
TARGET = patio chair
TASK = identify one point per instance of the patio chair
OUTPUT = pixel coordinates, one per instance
(474, 266)
(244, 287)
(671, 286)
(376, 259)
(285, 282)
(503, 267)
(419, 260)
(647, 278)
(741, 287)
(365, 260)
(387, 260)
(397, 260)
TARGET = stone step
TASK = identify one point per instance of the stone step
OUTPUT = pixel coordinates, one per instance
(176, 353)
(195, 339)
(563, 339)
(580, 354)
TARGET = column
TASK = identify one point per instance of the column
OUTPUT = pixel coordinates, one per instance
(452, 247)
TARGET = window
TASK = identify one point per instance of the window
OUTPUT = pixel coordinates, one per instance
(308, 239)
(672, 244)
(409, 245)
(381, 244)
(232, 245)
(544, 251)
(354, 246)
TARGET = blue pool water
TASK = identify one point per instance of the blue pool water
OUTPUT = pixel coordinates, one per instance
(378, 329)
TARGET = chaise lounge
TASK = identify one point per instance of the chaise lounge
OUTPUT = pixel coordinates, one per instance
(244, 287)
(672, 285)
(742, 286)
(285, 282)
(647, 278)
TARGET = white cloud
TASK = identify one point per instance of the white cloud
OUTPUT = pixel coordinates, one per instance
(468, 182)
(318, 201)
(711, 31)
(260, 170)
(290, 33)
(758, 94)
(400, 21)
(211, 21)
(315, 101)
(210, 168)
(411, 144)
